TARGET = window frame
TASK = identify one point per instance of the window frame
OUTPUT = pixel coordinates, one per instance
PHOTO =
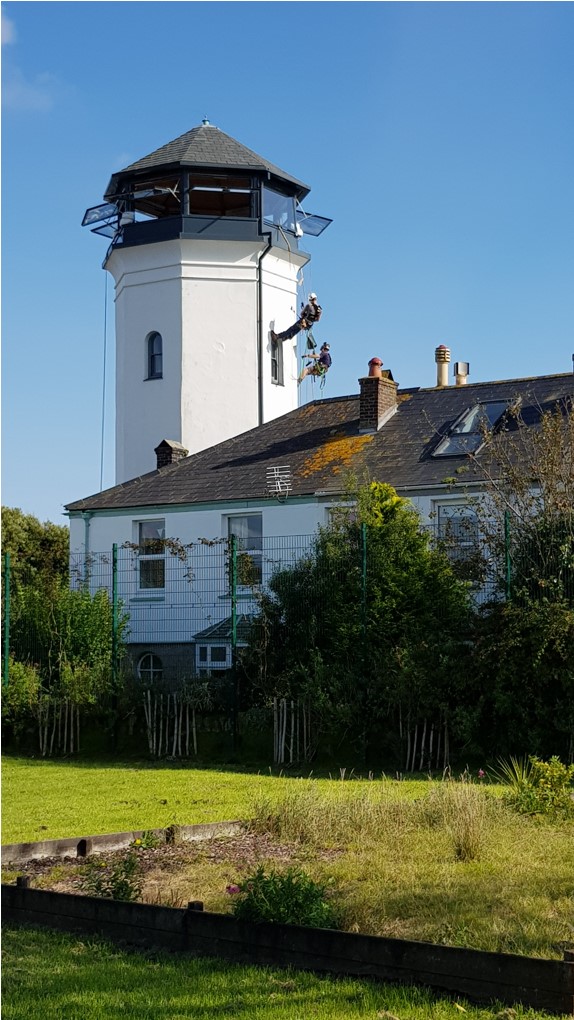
(151, 355)
(254, 552)
(468, 557)
(153, 555)
(154, 671)
(205, 664)
(277, 367)
(475, 437)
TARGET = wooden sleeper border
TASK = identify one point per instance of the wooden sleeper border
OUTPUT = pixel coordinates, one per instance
(480, 976)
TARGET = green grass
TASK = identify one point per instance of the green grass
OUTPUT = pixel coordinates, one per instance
(443, 862)
(44, 799)
(62, 977)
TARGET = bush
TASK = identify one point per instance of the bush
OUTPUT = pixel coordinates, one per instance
(121, 881)
(538, 787)
(288, 897)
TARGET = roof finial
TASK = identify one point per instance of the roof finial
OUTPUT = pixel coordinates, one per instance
(205, 121)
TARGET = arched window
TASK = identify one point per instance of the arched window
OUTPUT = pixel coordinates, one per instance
(150, 668)
(154, 356)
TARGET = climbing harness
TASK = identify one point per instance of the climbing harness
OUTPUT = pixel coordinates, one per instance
(319, 371)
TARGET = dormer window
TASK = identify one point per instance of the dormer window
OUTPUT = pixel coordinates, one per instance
(468, 433)
(154, 356)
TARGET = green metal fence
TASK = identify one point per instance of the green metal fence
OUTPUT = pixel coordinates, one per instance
(206, 629)
(186, 610)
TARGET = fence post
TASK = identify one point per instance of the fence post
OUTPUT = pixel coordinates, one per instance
(234, 678)
(114, 612)
(6, 663)
(364, 652)
(507, 563)
(364, 582)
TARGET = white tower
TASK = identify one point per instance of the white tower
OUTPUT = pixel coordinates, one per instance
(205, 259)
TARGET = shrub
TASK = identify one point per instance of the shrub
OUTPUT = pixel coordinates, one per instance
(552, 782)
(538, 787)
(289, 897)
(20, 694)
(121, 881)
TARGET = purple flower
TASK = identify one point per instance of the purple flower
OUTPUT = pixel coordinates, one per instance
(481, 773)
(232, 889)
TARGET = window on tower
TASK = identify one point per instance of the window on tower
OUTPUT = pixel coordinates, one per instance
(154, 356)
(277, 363)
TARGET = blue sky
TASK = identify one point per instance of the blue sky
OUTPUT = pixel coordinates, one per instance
(438, 136)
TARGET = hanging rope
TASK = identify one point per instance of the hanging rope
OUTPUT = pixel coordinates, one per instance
(104, 383)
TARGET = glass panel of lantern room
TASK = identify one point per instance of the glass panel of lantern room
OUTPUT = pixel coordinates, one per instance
(211, 195)
(279, 210)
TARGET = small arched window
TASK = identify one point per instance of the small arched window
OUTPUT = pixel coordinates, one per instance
(150, 668)
(154, 356)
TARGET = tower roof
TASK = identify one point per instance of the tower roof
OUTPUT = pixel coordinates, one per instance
(205, 147)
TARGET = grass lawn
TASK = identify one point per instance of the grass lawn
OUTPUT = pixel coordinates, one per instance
(443, 862)
(45, 799)
(59, 977)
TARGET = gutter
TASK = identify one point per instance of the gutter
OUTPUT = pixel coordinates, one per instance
(260, 330)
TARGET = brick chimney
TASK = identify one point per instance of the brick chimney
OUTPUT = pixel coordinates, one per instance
(378, 397)
(169, 452)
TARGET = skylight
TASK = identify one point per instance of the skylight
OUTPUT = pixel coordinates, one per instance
(468, 432)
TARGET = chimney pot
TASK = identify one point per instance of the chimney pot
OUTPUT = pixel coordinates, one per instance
(375, 365)
(442, 358)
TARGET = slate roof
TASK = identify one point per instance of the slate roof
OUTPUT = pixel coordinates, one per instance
(206, 147)
(320, 442)
(223, 630)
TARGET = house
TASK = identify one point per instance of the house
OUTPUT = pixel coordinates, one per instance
(271, 487)
(218, 485)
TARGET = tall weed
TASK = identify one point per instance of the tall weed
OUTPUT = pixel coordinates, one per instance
(363, 816)
(461, 809)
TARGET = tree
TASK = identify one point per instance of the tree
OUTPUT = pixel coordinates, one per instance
(61, 645)
(38, 552)
(527, 517)
(368, 628)
(524, 649)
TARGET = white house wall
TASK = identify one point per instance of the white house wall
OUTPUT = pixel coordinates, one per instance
(185, 606)
(196, 593)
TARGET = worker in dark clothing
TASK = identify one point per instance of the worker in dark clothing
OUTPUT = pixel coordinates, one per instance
(310, 314)
(322, 365)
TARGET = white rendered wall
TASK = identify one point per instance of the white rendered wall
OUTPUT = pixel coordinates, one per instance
(189, 602)
(185, 607)
(203, 298)
(279, 520)
(279, 273)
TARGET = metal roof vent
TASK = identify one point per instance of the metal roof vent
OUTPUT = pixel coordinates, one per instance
(442, 358)
(279, 482)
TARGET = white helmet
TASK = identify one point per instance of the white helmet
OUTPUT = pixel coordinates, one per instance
(312, 297)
